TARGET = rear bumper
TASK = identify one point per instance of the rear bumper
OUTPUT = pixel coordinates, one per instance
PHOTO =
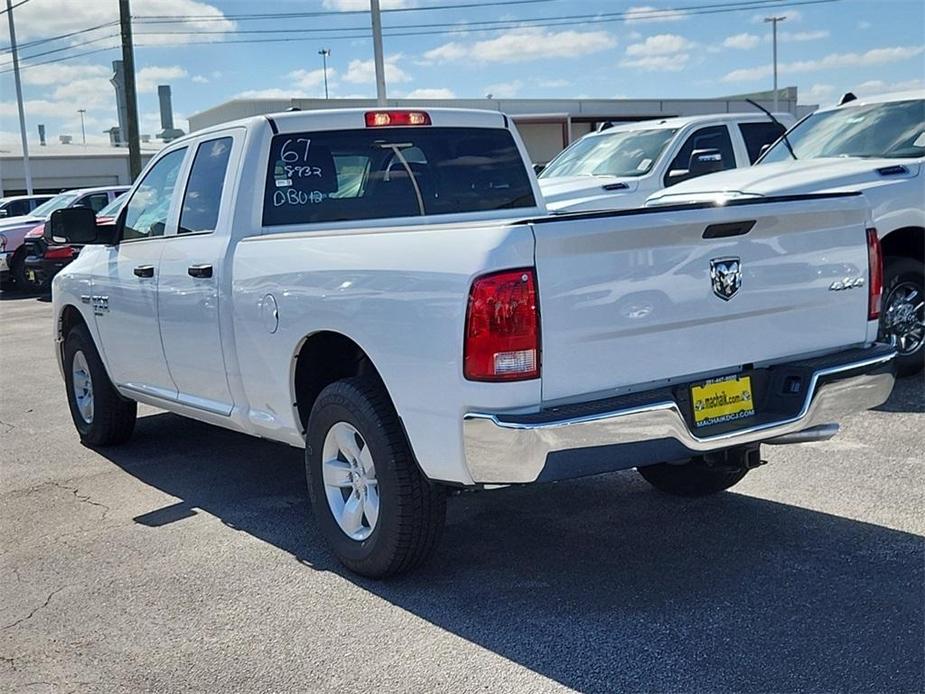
(653, 427)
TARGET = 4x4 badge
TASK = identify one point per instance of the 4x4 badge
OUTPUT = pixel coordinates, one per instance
(726, 276)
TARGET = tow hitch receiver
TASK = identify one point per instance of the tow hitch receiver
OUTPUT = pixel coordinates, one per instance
(735, 459)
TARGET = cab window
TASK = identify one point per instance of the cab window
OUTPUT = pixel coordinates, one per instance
(713, 138)
(203, 195)
(147, 210)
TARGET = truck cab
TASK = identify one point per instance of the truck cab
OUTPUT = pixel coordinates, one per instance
(617, 168)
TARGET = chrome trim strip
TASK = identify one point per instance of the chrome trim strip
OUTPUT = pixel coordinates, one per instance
(502, 451)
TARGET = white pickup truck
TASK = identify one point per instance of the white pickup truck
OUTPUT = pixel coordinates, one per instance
(875, 145)
(618, 168)
(386, 290)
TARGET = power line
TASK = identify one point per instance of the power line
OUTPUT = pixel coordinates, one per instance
(61, 60)
(50, 39)
(13, 7)
(488, 25)
(68, 48)
(329, 13)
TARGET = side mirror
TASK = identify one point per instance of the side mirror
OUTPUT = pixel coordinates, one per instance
(77, 225)
(538, 168)
(704, 161)
(764, 148)
(3, 213)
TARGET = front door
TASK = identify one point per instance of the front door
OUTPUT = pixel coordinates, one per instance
(192, 270)
(125, 289)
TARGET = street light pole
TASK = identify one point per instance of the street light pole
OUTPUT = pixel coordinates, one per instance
(377, 51)
(324, 53)
(83, 130)
(27, 167)
(773, 21)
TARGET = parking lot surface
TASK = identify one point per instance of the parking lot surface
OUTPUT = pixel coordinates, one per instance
(186, 560)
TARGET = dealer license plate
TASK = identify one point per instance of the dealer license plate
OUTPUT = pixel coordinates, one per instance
(722, 400)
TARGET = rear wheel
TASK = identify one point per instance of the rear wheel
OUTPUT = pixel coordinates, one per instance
(378, 512)
(18, 272)
(902, 316)
(101, 416)
(694, 478)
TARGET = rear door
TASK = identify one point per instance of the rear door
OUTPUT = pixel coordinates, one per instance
(641, 297)
(192, 269)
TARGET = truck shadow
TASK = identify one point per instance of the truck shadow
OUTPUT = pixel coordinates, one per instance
(908, 395)
(601, 584)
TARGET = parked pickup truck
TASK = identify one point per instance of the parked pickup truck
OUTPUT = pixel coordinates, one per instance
(618, 168)
(386, 290)
(875, 145)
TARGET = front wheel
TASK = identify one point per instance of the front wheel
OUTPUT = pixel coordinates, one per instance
(902, 317)
(101, 416)
(378, 512)
(694, 478)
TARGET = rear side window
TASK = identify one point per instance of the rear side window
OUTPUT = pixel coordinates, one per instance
(95, 201)
(757, 135)
(382, 173)
(204, 189)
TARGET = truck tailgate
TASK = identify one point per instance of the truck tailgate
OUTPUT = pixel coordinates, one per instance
(642, 297)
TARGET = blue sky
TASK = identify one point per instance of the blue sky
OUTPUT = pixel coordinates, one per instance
(613, 48)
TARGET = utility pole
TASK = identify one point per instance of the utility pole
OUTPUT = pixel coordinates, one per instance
(27, 167)
(131, 100)
(773, 21)
(83, 130)
(377, 51)
(324, 53)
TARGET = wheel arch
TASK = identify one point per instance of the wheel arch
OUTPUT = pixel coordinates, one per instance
(322, 358)
(905, 242)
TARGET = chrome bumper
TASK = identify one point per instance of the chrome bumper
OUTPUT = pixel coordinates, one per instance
(510, 449)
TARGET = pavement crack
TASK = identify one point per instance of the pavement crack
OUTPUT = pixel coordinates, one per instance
(36, 609)
(84, 498)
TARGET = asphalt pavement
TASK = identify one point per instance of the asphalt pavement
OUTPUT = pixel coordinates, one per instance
(187, 560)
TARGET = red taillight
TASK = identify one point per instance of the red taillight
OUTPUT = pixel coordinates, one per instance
(58, 252)
(875, 266)
(381, 119)
(503, 328)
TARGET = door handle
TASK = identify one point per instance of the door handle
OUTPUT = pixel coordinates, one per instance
(200, 270)
(144, 271)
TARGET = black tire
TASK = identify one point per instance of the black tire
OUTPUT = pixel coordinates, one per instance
(412, 510)
(113, 418)
(18, 272)
(901, 274)
(694, 478)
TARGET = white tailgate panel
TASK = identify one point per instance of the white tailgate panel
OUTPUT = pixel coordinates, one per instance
(628, 299)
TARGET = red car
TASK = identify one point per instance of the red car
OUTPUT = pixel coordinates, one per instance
(45, 258)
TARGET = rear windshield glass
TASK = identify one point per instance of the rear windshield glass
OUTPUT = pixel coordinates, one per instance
(381, 173)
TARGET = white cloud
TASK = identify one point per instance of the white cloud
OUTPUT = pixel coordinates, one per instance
(521, 45)
(742, 41)
(364, 71)
(148, 78)
(504, 90)
(309, 79)
(789, 36)
(363, 5)
(863, 25)
(661, 44)
(881, 87)
(431, 93)
(89, 93)
(659, 63)
(37, 19)
(58, 73)
(875, 56)
(199, 79)
(647, 13)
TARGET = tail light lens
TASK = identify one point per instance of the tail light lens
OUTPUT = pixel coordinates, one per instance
(875, 266)
(58, 252)
(502, 340)
(382, 119)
